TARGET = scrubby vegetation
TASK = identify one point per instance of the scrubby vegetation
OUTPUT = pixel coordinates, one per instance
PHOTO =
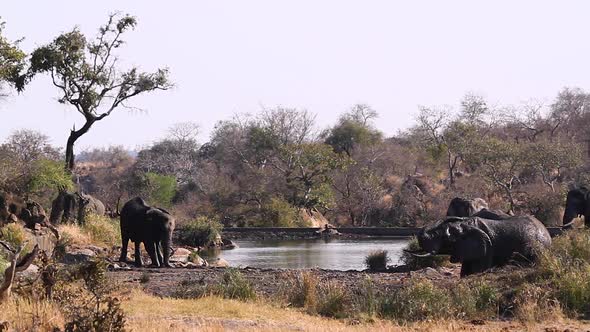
(233, 285)
(100, 230)
(377, 260)
(200, 232)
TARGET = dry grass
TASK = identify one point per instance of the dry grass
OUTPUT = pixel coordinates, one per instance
(31, 315)
(98, 230)
(217, 314)
(75, 234)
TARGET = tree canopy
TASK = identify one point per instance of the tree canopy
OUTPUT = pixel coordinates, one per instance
(88, 77)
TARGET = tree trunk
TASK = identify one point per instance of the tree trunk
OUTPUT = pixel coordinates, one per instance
(74, 135)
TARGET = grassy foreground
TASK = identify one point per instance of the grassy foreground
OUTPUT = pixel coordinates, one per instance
(149, 313)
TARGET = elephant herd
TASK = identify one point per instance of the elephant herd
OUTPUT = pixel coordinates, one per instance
(480, 238)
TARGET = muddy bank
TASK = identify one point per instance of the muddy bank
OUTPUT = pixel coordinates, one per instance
(266, 282)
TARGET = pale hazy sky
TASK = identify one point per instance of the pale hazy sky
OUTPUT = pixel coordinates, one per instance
(239, 56)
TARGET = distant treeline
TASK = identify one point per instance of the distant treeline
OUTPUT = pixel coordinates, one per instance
(277, 168)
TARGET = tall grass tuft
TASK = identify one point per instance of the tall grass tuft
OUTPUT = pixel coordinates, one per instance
(377, 260)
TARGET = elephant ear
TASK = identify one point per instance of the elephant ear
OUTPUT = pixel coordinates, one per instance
(474, 244)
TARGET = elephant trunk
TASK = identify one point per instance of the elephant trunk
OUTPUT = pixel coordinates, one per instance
(568, 218)
(166, 245)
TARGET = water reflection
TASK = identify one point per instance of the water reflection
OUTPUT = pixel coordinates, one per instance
(335, 254)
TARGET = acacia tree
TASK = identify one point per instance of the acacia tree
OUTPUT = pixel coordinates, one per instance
(88, 77)
(11, 60)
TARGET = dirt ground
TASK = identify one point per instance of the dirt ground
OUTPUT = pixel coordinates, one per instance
(266, 282)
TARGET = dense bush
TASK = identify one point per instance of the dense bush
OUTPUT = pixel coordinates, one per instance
(201, 232)
(279, 213)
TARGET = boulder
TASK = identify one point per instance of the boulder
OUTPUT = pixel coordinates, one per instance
(218, 262)
(227, 244)
(197, 260)
(78, 256)
(31, 272)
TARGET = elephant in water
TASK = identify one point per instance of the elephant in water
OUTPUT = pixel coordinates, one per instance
(151, 226)
(476, 207)
(480, 244)
(67, 207)
(577, 205)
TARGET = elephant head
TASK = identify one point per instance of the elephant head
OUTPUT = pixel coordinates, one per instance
(461, 239)
(463, 207)
(576, 205)
(161, 226)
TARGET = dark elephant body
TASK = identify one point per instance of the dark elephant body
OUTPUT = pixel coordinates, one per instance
(476, 207)
(577, 205)
(151, 226)
(68, 207)
(480, 244)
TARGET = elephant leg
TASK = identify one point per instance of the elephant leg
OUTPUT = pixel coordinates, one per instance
(472, 267)
(159, 252)
(124, 244)
(138, 261)
(150, 246)
(166, 250)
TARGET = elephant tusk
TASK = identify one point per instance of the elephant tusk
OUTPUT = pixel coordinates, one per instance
(417, 254)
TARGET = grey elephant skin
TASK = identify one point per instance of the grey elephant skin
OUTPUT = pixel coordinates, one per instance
(476, 207)
(151, 226)
(577, 205)
(480, 244)
(68, 207)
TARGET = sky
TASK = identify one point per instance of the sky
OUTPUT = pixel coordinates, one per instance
(228, 57)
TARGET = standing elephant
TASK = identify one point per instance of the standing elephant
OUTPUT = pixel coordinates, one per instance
(576, 205)
(151, 226)
(477, 207)
(480, 244)
(67, 207)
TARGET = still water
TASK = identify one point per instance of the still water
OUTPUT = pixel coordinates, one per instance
(333, 254)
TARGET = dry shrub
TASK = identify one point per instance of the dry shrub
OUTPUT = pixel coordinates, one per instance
(97, 230)
(303, 290)
(377, 260)
(533, 303)
(25, 314)
(74, 234)
(333, 300)
(102, 229)
(14, 234)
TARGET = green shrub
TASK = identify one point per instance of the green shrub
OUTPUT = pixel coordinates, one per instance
(49, 174)
(377, 260)
(416, 263)
(14, 234)
(145, 277)
(365, 299)
(160, 188)
(200, 232)
(234, 286)
(332, 300)
(279, 213)
(102, 229)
